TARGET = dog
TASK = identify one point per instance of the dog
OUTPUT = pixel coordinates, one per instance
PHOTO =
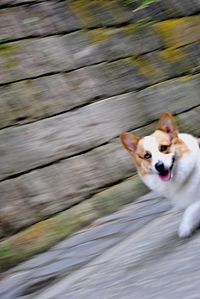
(168, 162)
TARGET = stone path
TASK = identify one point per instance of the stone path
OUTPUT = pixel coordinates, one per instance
(135, 245)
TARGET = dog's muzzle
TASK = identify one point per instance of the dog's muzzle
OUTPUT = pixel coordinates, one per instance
(164, 173)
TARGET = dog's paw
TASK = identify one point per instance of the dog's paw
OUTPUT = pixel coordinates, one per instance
(185, 230)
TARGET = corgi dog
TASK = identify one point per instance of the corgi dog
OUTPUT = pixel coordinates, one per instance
(168, 162)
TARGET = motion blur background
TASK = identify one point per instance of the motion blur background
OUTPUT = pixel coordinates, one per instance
(73, 76)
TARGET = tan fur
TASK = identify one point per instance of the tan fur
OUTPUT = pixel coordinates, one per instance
(181, 147)
(163, 139)
(165, 134)
(131, 143)
(167, 124)
(140, 161)
(139, 152)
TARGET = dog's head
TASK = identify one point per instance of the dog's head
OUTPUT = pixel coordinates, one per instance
(156, 153)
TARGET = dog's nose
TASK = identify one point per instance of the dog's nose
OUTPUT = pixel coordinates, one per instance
(159, 166)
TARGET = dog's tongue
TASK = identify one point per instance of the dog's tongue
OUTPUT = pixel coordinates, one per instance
(165, 177)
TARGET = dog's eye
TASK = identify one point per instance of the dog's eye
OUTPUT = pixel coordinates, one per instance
(147, 156)
(163, 148)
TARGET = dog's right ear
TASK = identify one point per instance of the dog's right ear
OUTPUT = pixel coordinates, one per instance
(167, 124)
(129, 141)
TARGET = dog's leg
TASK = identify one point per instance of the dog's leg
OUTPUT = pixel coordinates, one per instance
(190, 220)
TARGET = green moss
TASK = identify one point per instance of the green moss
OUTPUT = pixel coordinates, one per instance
(7, 256)
(110, 200)
(146, 3)
(130, 29)
(147, 69)
(99, 35)
(83, 9)
(90, 12)
(103, 34)
(145, 21)
(172, 54)
(2, 40)
(7, 51)
(80, 7)
(5, 250)
(5, 47)
(178, 32)
(189, 77)
(28, 82)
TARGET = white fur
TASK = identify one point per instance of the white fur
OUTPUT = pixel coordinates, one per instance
(150, 144)
(184, 187)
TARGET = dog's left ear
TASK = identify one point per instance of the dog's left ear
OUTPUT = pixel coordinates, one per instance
(167, 124)
(129, 141)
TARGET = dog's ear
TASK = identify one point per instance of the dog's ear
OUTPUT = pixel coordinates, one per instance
(129, 141)
(198, 139)
(167, 124)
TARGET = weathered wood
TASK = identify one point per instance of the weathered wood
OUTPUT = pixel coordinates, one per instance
(179, 32)
(46, 191)
(29, 100)
(101, 13)
(44, 18)
(49, 190)
(65, 135)
(14, 2)
(173, 95)
(93, 14)
(159, 66)
(35, 57)
(168, 9)
(43, 142)
(189, 122)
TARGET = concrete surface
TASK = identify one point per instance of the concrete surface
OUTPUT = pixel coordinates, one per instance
(133, 253)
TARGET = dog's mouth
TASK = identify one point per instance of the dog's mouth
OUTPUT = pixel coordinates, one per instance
(166, 174)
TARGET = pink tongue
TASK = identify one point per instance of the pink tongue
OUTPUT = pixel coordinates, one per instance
(166, 177)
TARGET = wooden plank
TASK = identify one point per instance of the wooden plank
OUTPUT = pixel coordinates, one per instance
(37, 144)
(46, 191)
(35, 57)
(30, 100)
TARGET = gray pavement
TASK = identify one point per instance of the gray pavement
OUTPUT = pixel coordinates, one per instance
(133, 253)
